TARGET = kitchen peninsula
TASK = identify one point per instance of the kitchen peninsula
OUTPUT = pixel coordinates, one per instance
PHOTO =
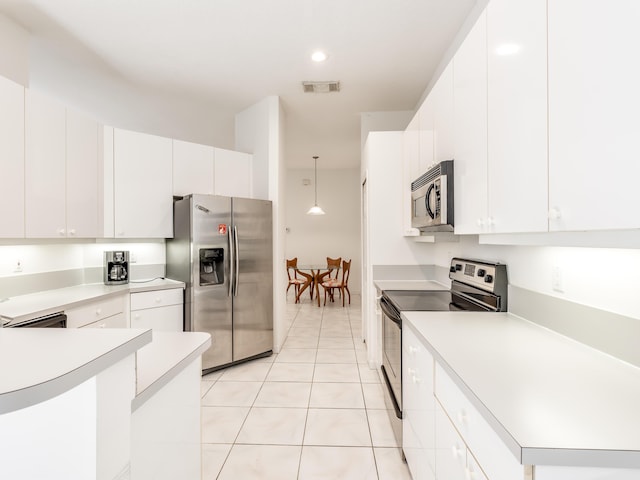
(100, 403)
(515, 400)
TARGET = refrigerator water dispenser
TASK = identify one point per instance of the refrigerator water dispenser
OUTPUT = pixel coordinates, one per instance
(211, 266)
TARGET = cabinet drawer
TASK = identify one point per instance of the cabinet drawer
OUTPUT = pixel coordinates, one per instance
(418, 401)
(115, 321)
(451, 451)
(156, 298)
(491, 453)
(78, 317)
(167, 319)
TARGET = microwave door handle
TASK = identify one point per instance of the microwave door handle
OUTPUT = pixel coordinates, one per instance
(427, 202)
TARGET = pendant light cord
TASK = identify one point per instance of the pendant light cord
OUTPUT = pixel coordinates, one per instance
(315, 178)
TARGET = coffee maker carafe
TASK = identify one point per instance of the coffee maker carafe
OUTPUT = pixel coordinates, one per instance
(116, 267)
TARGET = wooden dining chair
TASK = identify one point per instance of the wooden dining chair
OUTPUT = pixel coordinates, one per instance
(342, 285)
(293, 279)
(333, 268)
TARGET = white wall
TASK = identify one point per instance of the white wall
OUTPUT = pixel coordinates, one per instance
(40, 256)
(335, 234)
(604, 278)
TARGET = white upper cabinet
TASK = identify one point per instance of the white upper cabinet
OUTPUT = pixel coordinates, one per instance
(470, 131)
(45, 153)
(594, 100)
(517, 115)
(232, 173)
(12, 159)
(192, 168)
(143, 192)
(82, 176)
(426, 137)
(410, 164)
(442, 94)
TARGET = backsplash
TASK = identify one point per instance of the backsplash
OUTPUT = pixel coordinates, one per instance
(47, 265)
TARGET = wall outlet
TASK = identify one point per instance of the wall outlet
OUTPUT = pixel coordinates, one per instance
(557, 284)
(133, 258)
(18, 267)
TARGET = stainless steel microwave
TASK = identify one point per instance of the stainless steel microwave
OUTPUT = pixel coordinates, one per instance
(432, 199)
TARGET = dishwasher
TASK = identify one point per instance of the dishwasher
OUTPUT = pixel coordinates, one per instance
(53, 320)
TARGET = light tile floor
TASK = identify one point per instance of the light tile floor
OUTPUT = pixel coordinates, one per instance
(313, 411)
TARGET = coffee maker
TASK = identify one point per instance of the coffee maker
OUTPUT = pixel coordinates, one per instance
(116, 267)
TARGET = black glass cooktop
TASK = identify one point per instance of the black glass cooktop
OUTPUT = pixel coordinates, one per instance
(420, 300)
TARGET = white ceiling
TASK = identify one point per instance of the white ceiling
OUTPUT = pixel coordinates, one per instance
(229, 54)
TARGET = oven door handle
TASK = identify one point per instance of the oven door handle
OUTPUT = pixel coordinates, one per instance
(390, 313)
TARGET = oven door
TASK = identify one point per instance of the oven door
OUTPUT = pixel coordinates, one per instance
(392, 367)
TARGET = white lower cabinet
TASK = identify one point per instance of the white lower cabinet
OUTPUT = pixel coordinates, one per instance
(418, 408)
(160, 310)
(493, 455)
(451, 451)
(108, 313)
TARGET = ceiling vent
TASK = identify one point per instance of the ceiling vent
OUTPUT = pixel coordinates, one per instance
(320, 87)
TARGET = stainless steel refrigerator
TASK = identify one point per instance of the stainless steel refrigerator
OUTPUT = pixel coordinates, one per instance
(223, 250)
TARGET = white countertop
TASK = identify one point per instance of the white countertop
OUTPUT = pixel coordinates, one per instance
(37, 304)
(551, 399)
(41, 363)
(409, 285)
(161, 360)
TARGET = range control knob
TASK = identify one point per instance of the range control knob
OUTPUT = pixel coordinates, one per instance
(452, 269)
(458, 267)
(482, 272)
(488, 278)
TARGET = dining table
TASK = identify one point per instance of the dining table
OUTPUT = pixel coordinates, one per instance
(313, 278)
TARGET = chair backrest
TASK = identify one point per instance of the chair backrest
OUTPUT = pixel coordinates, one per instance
(346, 270)
(335, 263)
(293, 263)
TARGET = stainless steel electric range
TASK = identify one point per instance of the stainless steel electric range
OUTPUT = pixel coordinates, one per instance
(476, 286)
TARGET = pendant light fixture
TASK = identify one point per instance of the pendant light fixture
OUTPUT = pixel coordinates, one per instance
(315, 210)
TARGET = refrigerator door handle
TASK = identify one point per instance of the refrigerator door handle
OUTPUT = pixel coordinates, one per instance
(236, 256)
(231, 261)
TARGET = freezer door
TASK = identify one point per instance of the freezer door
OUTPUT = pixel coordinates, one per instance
(253, 287)
(211, 272)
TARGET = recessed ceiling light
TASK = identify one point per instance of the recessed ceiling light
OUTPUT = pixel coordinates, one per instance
(318, 56)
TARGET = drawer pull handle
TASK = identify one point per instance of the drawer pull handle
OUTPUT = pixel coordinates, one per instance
(98, 311)
(411, 371)
(412, 350)
(158, 300)
(462, 417)
(103, 325)
(470, 474)
(416, 380)
(457, 452)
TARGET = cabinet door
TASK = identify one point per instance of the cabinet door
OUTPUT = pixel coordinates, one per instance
(143, 194)
(410, 166)
(470, 130)
(426, 136)
(418, 407)
(166, 319)
(82, 177)
(116, 321)
(232, 173)
(451, 452)
(192, 168)
(12, 159)
(593, 114)
(442, 94)
(517, 115)
(44, 166)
